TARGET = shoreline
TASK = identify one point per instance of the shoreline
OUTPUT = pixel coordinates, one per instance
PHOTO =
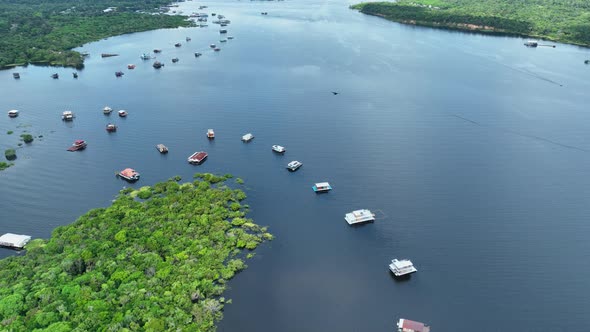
(377, 9)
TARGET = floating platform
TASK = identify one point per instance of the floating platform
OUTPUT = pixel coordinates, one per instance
(322, 187)
(359, 216)
(406, 325)
(162, 148)
(197, 157)
(402, 267)
(14, 241)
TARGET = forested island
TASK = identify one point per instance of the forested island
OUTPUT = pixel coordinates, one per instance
(558, 20)
(157, 259)
(44, 32)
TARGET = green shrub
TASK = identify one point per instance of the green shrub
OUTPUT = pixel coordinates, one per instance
(10, 154)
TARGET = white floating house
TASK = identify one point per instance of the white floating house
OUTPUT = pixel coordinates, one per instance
(322, 187)
(359, 216)
(402, 267)
(406, 325)
(248, 137)
(14, 240)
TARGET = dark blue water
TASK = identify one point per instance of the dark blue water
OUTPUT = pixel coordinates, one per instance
(475, 151)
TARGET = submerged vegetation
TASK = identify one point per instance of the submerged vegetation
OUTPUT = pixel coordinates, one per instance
(4, 165)
(44, 32)
(154, 264)
(27, 138)
(559, 20)
(10, 154)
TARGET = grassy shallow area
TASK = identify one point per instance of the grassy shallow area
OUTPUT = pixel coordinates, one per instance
(157, 259)
(565, 21)
(44, 32)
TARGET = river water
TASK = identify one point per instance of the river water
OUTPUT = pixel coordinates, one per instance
(473, 150)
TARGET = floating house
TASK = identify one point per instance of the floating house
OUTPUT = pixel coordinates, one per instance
(13, 113)
(67, 116)
(197, 157)
(402, 267)
(406, 325)
(294, 165)
(278, 149)
(14, 241)
(359, 216)
(129, 174)
(248, 137)
(162, 148)
(322, 187)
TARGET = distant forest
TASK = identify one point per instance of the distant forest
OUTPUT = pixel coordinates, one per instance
(44, 32)
(566, 21)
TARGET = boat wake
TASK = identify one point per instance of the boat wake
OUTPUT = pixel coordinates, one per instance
(533, 137)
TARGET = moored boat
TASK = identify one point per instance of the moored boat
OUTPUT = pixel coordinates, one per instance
(177, 45)
(122, 113)
(162, 148)
(107, 110)
(217, 49)
(401, 267)
(223, 31)
(130, 66)
(78, 145)
(197, 157)
(106, 55)
(406, 325)
(188, 39)
(531, 43)
(230, 37)
(67, 116)
(210, 134)
(248, 137)
(174, 60)
(16, 75)
(212, 46)
(111, 128)
(129, 174)
(157, 50)
(13, 113)
(145, 56)
(75, 75)
(158, 65)
(222, 40)
(294, 165)
(322, 187)
(55, 76)
(119, 73)
(197, 54)
(278, 148)
(359, 216)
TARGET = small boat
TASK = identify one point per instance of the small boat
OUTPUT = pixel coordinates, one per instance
(220, 16)
(402, 267)
(248, 137)
(78, 145)
(587, 62)
(213, 14)
(67, 116)
(212, 46)
(162, 148)
(122, 113)
(188, 39)
(55, 76)
(157, 50)
(158, 65)
(359, 216)
(129, 174)
(230, 37)
(106, 55)
(145, 56)
(202, 25)
(322, 187)
(197, 157)
(111, 128)
(75, 75)
(278, 148)
(174, 60)
(222, 40)
(406, 325)
(14, 241)
(119, 73)
(531, 43)
(13, 113)
(85, 54)
(222, 31)
(210, 134)
(294, 165)
(223, 24)
(130, 66)
(264, 13)
(217, 49)
(107, 110)
(177, 45)
(16, 75)
(197, 54)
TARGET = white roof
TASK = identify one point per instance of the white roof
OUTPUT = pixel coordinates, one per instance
(322, 184)
(14, 240)
(13, 111)
(402, 264)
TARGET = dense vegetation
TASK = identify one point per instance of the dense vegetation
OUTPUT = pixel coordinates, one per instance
(44, 32)
(27, 138)
(154, 264)
(10, 154)
(560, 20)
(4, 165)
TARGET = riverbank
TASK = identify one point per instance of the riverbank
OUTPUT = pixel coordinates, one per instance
(45, 33)
(551, 20)
(157, 259)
